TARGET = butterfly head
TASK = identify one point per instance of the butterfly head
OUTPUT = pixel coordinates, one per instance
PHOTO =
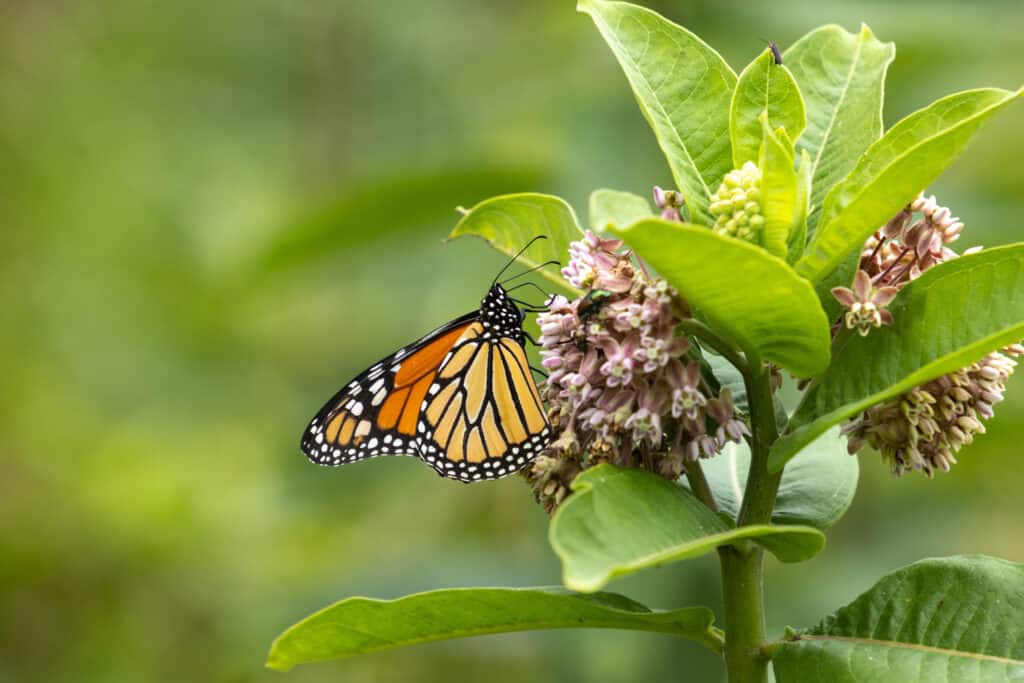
(500, 316)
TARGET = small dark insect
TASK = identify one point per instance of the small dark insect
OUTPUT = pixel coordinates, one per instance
(591, 304)
(775, 52)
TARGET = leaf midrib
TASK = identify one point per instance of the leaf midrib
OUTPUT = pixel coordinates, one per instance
(620, 48)
(864, 187)
(930, 649)
(839, 103)
(683, 550)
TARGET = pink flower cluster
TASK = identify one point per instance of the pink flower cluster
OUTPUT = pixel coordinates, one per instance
(922, 429)
(623, 386)
(897, 253)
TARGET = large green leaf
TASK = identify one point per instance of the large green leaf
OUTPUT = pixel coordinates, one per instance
(763, 87)
(749, 296)
(893, 171)
(817, 486)
(948, 318)
(361, 625)
(620, 521)
(841, 77)
(509, 221)
(949, 620)
(612, 207)
(683, 88)
(778, 189)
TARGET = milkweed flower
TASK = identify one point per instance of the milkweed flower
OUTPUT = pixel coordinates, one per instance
(923, 429)
(623, 387)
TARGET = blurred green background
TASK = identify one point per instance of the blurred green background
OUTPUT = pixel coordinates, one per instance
(214, 214)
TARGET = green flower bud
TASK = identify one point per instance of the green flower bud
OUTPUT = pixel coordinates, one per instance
(736, 206)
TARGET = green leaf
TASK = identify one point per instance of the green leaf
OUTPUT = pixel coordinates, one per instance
(361, 625)
(683, 88)
(778, 189)
(841, 77)
(763, 86)
(750, 297)
(893, 171)
(509, 221)
(948, 620)
(798, 237)
(817, 486)
(951, 316)
(612, 207)
(619, 521)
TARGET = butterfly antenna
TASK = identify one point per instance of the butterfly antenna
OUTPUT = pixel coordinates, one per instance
(527, 272)
(547, 295)
(518, 254)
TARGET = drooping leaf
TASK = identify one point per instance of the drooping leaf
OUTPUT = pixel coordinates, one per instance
(620, 521)
(817, 486)
(948, 620)
(358, 626)
(797, 240)
(750, 297)
(778, 189)
(683, 88)
(509, 221)
(893, 171)
(951, 316)
(841, 76)
(764, 87)
(612, 207)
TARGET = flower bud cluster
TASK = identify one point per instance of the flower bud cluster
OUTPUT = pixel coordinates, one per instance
(923, 429)
(622, 386)
(736, 206)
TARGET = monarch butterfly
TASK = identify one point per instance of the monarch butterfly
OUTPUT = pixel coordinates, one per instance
(461, 399)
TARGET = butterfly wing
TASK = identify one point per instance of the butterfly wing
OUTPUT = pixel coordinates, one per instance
(482, 417)
(377, 413)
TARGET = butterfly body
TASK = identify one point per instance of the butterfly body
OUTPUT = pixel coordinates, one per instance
(461, 399)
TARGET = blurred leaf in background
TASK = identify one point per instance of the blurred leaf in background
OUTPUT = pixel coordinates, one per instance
(215, 213)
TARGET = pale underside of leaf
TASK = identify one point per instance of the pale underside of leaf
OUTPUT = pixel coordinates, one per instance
(816, 489)
(613, 207)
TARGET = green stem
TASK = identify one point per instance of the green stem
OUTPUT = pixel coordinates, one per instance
(742, 567)
(743, 593)
(699, 484)
(762, 485)
(696, 328)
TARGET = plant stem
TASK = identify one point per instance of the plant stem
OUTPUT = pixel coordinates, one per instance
(742, 578)
(696, 328)
(743, 593)
(699, 484)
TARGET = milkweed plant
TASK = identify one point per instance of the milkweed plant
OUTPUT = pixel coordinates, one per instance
(800, 243)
